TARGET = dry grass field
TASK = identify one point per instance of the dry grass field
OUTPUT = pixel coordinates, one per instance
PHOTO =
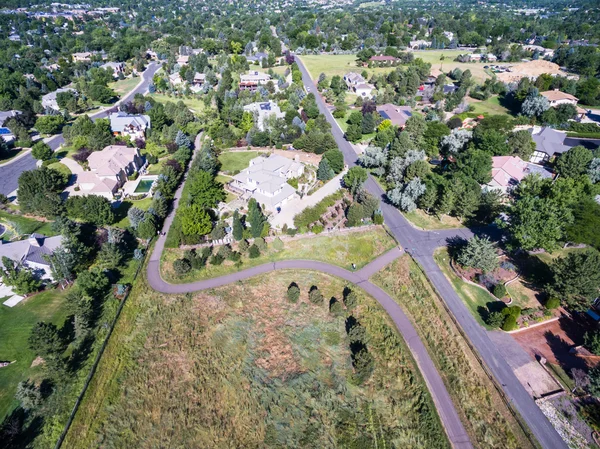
(485, 415)
(241, 366)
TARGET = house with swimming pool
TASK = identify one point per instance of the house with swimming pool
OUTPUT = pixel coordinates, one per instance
(109, 169)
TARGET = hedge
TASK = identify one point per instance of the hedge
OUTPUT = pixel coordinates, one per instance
(312, 214)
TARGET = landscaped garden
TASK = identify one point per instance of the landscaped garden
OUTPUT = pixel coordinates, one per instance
(358, 247)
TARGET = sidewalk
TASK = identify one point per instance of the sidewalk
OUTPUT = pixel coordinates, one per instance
(295, 206)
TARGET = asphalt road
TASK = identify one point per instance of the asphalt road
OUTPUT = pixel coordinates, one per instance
(10, 172)
(421, 245)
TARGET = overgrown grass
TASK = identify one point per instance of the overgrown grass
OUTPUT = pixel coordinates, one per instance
(359, 247)
(19, 225)
(486, 417)
(15, 327)
(240, 366)
(475, 298)
(232, 161)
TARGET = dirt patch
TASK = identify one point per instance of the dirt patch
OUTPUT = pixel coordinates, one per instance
(37, 361)
(531, 69)
(554, 340)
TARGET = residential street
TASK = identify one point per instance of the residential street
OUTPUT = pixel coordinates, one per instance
(10, 172)
(421, 245)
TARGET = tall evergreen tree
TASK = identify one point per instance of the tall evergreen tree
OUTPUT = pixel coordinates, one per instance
(238, 228)
(256, 218)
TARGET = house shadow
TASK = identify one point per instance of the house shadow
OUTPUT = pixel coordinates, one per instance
(570, 334)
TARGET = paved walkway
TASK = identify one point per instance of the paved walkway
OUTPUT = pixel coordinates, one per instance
(75, 168)
(449, 417)
(297, 205)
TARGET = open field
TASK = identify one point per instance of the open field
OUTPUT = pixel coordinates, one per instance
(240, 366)
(359, 247)
(475, 298)
(124, 86)
(18, 225)
(491, 106)
(423, 220)
(232, 161)
(192, 103)
(342, 64)
(486, 417)
(15, 327)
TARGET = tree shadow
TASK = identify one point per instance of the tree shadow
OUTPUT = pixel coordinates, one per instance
(455, 245)
(490, 307)
(19, 429)
(80, 354)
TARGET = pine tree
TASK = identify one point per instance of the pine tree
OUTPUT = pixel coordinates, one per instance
(256, 218)
(324, 172)
(238, 228)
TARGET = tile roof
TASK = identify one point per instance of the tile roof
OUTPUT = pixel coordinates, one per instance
(557, 95)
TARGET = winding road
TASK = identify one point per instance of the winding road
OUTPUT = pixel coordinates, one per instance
(421, 245)
(10, 171)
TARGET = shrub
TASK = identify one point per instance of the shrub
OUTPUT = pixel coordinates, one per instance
(254, 252)
(378, 218)
(312, 214)
(182, 266)
(234, 256)
(510, 323)
(315, 296)
(278, 244)
(317, 229)
(217, 259)
(495, 319)
(499, 291)
(514, 311)
(291, 231)
(293, 292)
(335, 307)
(243, 245)
(225, 251)
(552, 303)
(350, 299)
(261, 244)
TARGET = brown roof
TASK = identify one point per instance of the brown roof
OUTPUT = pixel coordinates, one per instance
(398, 115)
(555, 95)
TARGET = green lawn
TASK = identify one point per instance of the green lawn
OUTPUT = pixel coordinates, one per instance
(491, 106)
(232, 161)
(60, 167)
(18, 225)
(359, 247)
(121, 212)
(192, 103)
(431, 222)
(548, 258)
(124, 86)
(15, 326)
(475, 298)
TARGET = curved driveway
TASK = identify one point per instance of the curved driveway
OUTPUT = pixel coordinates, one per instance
(421, 244)
(10, 172)
(448, 415)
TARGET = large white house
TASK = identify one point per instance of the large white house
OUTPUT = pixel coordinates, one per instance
(262, 111)
(266, 180)
(109, 170)
(30, 253)
(556, 97)
(132, 125)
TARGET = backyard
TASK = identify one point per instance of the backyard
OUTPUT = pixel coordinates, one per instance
(486, 416)
(358, 247)
(18, 225)
(277, 373)
(15, 327)
(125, 85)
(192, 102)
(121, 219)
(235, 161)
(491, 106)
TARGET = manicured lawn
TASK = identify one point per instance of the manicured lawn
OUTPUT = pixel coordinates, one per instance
(19, 225)
(279, 69)
(359, 247)
(192, 103)
(223, 179)
(431, 222)
(548, 258)
(235, 161)
(15, 327)
(124, 86)
(475, 298)
(121, 212)
(60, 167)
(491, 106)
(486, 417)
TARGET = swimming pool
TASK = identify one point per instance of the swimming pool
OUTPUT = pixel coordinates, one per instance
(144, 186)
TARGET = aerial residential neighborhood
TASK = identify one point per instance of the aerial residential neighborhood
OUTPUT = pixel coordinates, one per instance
(300, 224)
